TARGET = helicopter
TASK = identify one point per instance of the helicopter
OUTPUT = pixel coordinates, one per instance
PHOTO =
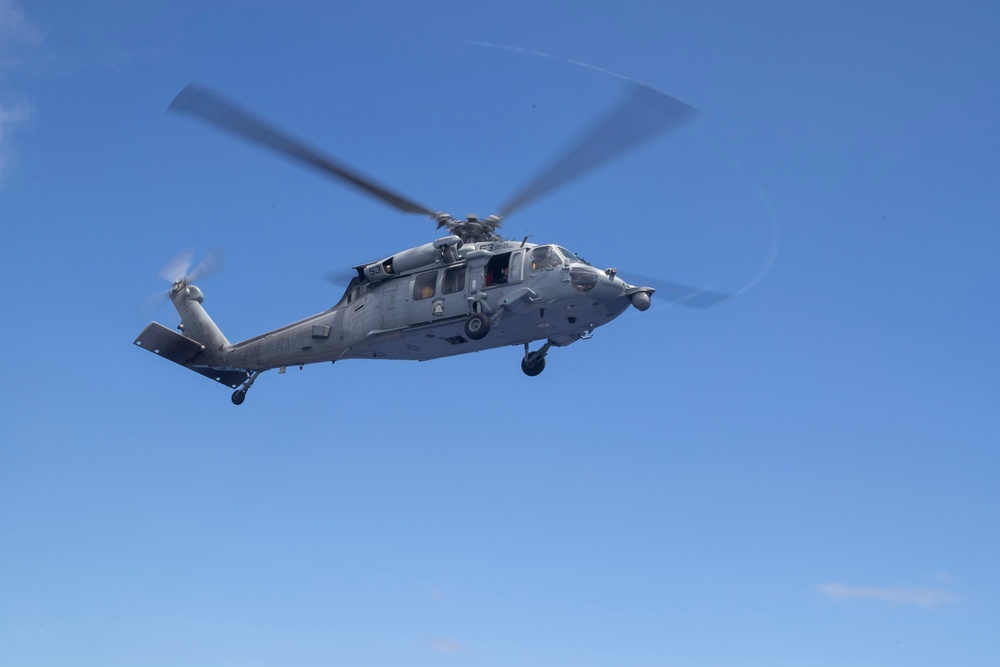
(469, 290)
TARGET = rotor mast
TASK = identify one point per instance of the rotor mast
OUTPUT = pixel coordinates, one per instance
(472, 229)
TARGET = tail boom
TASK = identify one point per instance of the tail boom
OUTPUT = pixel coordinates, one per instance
(201, 347)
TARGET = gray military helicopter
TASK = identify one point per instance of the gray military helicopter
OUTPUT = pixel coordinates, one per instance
(467, 291)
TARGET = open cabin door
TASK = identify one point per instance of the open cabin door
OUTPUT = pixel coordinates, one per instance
(505, 268)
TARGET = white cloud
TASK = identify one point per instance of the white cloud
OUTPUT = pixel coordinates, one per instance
(447, 646)
(921, 597)
(9, 117)
(15, 32)
(15, 27)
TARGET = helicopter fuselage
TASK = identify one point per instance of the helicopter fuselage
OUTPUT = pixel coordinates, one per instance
(421, 315)
(418, 305)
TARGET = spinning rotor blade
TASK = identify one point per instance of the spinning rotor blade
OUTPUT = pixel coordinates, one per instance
(212, 107)
(147, 308)
(686, 295)
(208, 266)
(178, 266)
(340, 277)
(643, 114)
(178, 269)
(681, 294)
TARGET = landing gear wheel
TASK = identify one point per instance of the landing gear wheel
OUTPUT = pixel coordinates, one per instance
(240, 394)
(477, 326)
(533, 369)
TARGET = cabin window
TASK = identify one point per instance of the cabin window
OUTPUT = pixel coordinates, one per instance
(453, 280)
(423, 285)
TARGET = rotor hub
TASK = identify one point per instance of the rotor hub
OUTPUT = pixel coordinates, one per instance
(472, 229)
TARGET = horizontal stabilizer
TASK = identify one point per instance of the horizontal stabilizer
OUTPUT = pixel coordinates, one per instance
(231, 379)
(168, 344)
(180, 349)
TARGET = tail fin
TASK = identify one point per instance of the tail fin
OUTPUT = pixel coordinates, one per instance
(195, 321)
(202, 348)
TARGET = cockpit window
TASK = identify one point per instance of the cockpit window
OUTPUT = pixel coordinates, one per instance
(572, 256)
(545, 257)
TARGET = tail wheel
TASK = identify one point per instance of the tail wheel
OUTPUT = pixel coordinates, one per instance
(239, 396)
(477, 326)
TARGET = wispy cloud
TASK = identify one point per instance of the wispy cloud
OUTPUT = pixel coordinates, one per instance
(9, 117)
(16, 32)
(448, 647)
(15, 28)
(909, 595)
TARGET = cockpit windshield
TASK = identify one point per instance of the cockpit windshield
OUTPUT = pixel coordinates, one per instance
(572, 256)
(551, 257)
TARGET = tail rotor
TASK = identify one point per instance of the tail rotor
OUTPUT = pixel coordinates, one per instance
(178, 272)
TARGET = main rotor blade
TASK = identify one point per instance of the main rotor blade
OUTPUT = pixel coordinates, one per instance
(214, 108)
(688, 295)
(340, 277)
(640, 116)
(680, 293)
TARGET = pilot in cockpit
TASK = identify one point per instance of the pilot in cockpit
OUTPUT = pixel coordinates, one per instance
(544, 257)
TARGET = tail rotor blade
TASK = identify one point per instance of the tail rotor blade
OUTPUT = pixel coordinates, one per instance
(178, 266)
(178, 269)
(209, 265)
(147, 308)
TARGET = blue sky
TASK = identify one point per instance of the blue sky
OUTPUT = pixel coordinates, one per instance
(803, 476)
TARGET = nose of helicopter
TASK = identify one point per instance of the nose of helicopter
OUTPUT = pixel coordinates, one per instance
(606, 292)
(619, 295)
(607, 289)
(609, 286)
